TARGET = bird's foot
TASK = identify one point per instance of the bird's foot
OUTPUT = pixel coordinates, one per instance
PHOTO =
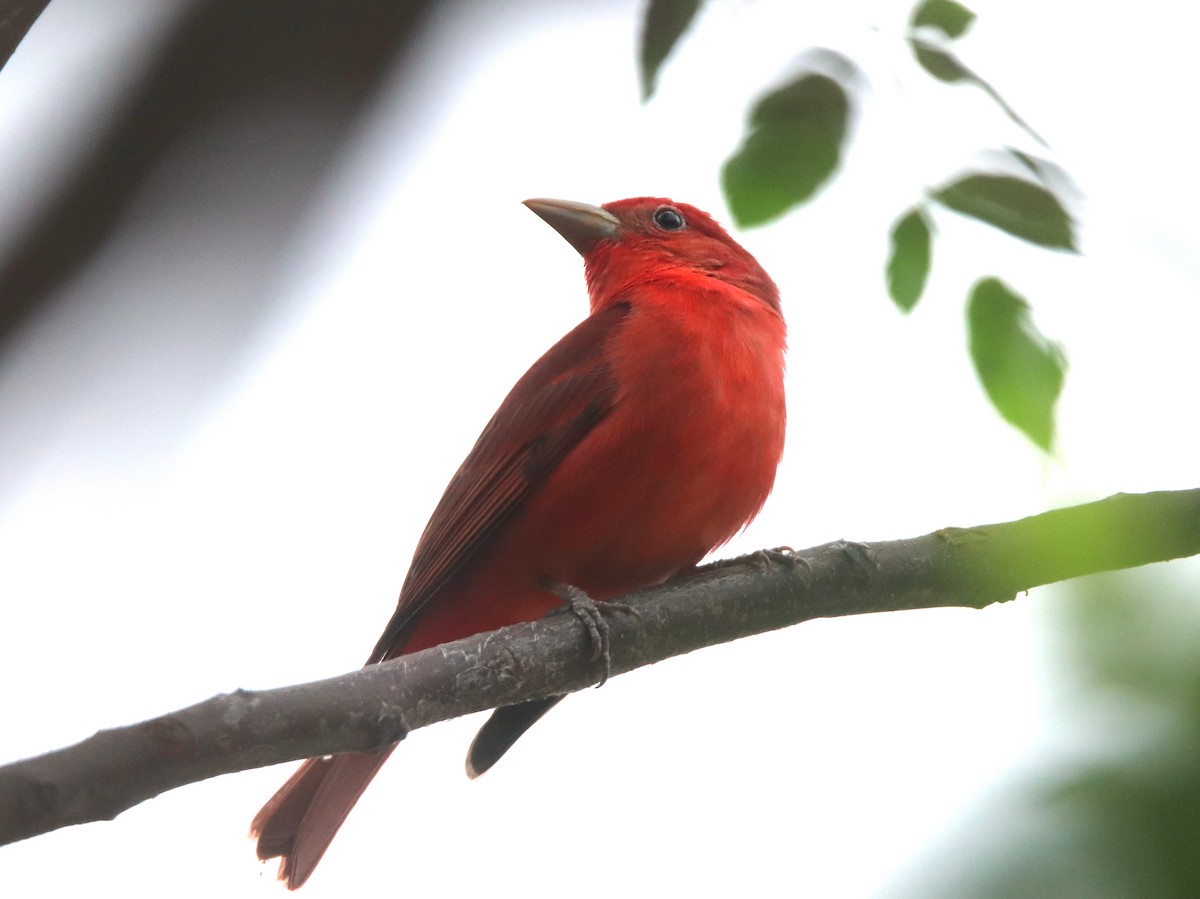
(779, 555)
(592, 615)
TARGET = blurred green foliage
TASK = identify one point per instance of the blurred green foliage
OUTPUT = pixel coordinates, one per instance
(1021, 371)
(1115, 812)
(664, 24)
(1019, 207)
(794, 144)
(911, 255)
(792, 147)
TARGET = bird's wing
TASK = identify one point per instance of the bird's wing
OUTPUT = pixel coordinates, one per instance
(548, 412)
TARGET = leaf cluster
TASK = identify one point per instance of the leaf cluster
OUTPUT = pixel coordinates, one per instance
(794, 144)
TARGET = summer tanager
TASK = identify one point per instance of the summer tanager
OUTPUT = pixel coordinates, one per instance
(646, 437)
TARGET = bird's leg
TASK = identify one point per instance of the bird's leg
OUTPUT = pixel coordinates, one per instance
(591, 614)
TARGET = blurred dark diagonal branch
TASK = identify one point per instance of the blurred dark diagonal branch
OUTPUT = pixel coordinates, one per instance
(220, 55)
(16, 18)
(965, 567)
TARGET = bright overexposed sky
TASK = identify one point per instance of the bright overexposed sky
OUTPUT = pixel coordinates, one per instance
(171, 527)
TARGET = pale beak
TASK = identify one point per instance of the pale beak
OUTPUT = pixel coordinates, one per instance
(582, 224)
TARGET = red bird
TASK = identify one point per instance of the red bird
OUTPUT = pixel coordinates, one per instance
(645, 438)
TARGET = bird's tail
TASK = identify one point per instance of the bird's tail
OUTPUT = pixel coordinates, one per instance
(503, 729)
(299, 822)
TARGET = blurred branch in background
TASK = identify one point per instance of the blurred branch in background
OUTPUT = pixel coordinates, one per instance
(972, 567)
(16, 18)
(221, 56)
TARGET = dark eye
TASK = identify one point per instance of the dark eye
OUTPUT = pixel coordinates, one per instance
(668, 218)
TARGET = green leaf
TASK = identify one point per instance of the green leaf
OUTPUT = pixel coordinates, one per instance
(1021, 371)
(908, 265)
(945, 66)
(952, 19)
(665, 23)
(1033, 164)
(792, 146)
(1022, 208)
(1053, 176)
(941, 64)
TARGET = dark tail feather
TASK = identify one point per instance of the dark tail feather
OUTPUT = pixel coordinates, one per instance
(299, 822)
(503, 729)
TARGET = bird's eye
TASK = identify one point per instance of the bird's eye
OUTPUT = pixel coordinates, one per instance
(668, 218)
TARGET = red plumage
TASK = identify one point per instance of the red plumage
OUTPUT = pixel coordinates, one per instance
(645, 438)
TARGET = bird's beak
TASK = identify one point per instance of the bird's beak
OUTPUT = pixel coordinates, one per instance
(581, 224)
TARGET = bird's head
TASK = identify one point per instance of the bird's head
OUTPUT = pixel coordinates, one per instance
(649, 238)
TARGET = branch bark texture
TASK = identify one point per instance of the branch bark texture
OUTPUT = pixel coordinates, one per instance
(116, 769)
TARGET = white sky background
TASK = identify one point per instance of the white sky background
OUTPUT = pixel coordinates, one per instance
(262, 541)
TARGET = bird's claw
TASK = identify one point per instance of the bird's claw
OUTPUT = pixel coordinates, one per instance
(591, 614)
(778, 555)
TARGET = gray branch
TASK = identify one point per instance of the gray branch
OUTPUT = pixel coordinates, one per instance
(16, 18)
(116, 769)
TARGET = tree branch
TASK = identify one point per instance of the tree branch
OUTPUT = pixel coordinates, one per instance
(16, 18)
(119, 768)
